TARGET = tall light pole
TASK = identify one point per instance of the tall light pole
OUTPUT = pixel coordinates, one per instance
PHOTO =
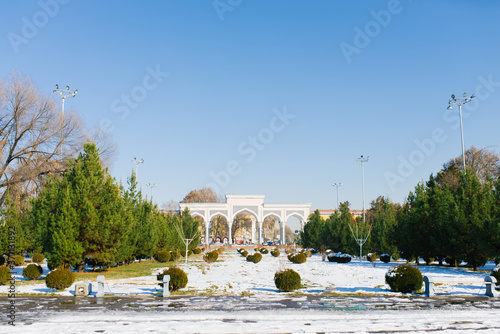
(337, 185)
(360, 240)
(460, 101)
(64, 94)
(152, 186)
(137, 162)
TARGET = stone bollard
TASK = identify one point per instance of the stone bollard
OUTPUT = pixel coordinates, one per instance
(81, 289)
(100, 286)
(429, 286)
(490, 282)
(166, 280)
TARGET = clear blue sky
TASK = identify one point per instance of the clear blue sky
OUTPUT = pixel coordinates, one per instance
(358, 77)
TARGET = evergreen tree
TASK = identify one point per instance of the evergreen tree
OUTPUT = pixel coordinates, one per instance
(81, 215)
(383, 219)
(311, 235)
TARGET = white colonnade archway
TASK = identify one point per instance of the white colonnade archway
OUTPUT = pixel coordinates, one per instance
(254, 206)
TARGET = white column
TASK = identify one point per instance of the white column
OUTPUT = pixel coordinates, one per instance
(260, 233)
(282, 233)
(207, 233)
(229, 227)
(253, 230)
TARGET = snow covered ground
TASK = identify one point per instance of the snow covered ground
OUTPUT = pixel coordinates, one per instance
(235, 296)
(233, 275)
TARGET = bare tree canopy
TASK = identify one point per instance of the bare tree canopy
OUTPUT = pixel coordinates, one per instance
(485, 163)
(36, 140)
(32, 133)
(203, 195)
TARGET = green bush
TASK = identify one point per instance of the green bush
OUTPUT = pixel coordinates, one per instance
(496, 273)
(33, 271)
(263, 250)
(17, 259)
(183, 253)
(339, 257)
(175, 255)
(162, 256)
(211, 256)
(244, 253)
(178, 278)
(255, 258)
(372, 257)
(221, 250)
(275, 252)
(287, 280)
(297, 258)
(38, 258)
(5, 274)
(404, 278)
(386, 258)
(289, 251)
(60, 279)
(197, 251)
(307, 252)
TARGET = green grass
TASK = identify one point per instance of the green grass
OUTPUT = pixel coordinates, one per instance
(136, 269)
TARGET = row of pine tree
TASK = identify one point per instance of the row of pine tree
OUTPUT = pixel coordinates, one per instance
(85, 216)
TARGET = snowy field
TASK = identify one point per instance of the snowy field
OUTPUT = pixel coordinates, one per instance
(235, 296)
(233, 275)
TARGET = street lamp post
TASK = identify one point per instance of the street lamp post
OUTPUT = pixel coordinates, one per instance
(338, 185)
(137, 162)
(63, 93)
(459, 102)
(360, 240)
(152, 186)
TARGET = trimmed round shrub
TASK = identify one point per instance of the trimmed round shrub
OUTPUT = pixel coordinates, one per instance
(221, 250)
(287, 280)
(339, 257)
(263, 250)
(175, 255)
(244, 253)
(386, 258)
(5, 274)
(289, 251)
(211, 256)
(307, 253)
(59, 279)
(372, 257)
(162, 256)
(275, 252)
(297, 258)
(404, 278)
(17, 259)
(33, 271)
(496, 273)
(38, 258)
(255, 258)
(197, 251)
(178, 278)
(2, 260)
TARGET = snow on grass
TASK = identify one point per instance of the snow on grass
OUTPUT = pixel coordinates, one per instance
(233, 275)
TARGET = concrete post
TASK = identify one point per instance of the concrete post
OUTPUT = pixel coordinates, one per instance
(253, 230)
(166, 281)
(490, 282)
(283, 233)
(230, 236)
(429, 286)
(100, 286)
(260, 233)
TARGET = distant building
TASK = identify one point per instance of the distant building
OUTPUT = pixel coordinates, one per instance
(325, 214)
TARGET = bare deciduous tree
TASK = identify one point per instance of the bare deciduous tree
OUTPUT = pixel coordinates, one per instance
(36, 140)
(32, 133)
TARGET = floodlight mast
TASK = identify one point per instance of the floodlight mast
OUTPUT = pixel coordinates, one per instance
(152, 185)
(64, 94)
(338, 185)
(359, 240)
(460, 102)
(137, 162)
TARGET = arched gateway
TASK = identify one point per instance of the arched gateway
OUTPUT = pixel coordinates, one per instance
(252, 205)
